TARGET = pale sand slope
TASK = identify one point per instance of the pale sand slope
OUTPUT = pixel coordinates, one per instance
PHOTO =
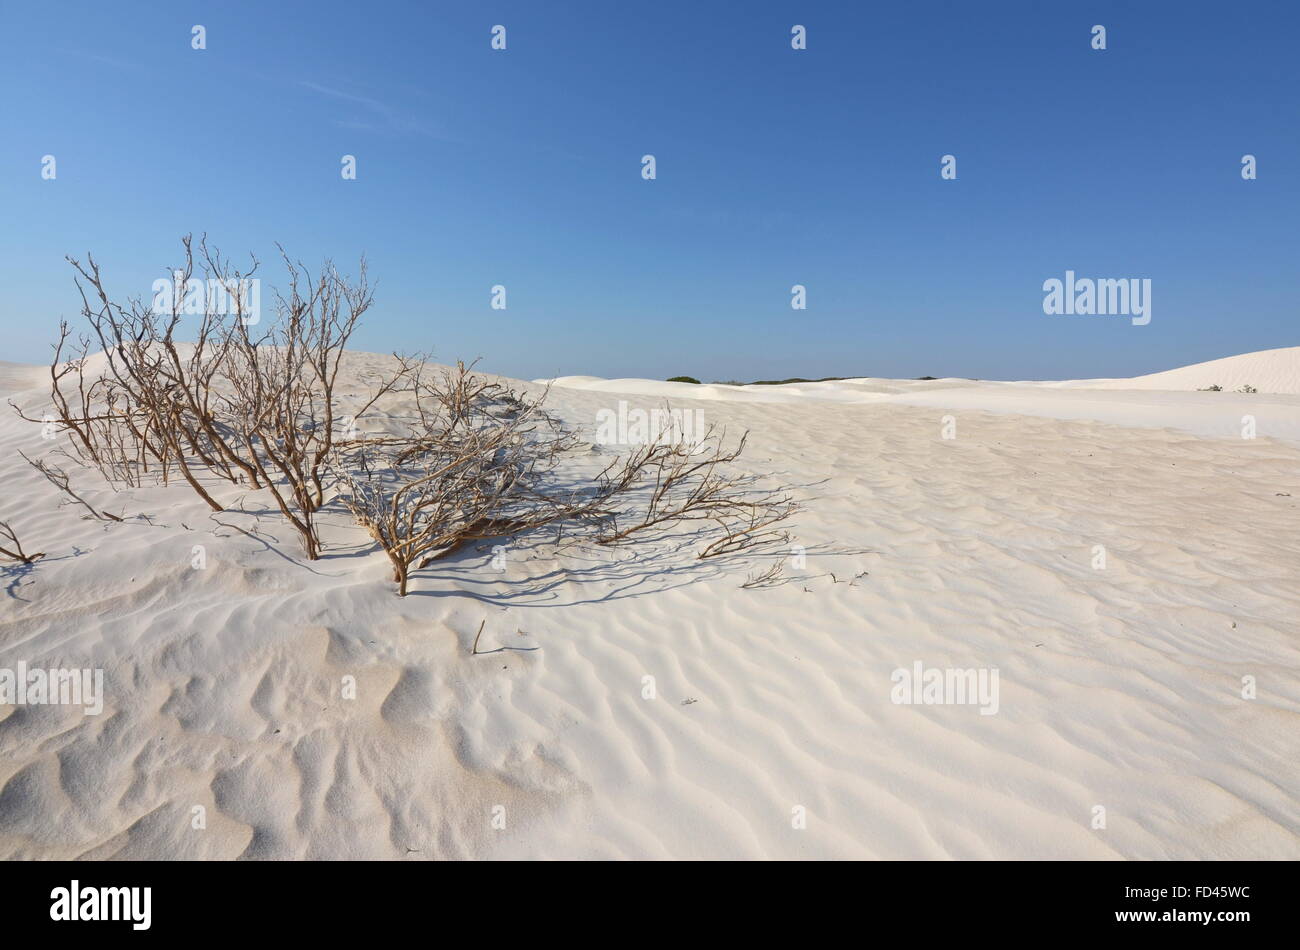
(1119, 687)
(1160, 400)
(1268, 371)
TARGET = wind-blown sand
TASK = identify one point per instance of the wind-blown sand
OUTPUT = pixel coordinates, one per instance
(1119, 687)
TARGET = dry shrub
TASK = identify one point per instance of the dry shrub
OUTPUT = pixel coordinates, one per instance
(478, 463)
(255, 404)
(243, 401)
(485, 463)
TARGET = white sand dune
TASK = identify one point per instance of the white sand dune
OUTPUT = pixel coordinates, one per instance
(1160, 400)
(1267, 371)
(1120, 687)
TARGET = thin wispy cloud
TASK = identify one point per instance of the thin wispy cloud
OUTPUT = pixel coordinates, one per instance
(382, 117)
(106, 60)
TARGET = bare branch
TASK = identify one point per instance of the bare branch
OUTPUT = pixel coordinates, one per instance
(59, 479)
(15, 551)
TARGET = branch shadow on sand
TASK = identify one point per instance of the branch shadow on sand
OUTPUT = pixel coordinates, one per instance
(13, 574)
(662, 563)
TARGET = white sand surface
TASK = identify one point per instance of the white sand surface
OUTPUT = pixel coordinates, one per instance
(1268, 371)
(1161, 400)
(1120, 687)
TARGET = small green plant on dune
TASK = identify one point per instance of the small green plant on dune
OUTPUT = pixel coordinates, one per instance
(1216, 388)
(684, 379)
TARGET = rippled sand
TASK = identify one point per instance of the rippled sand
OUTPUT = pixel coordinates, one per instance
(1120, 687)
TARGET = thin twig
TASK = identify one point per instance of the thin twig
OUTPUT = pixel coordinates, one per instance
(18, 554)
(59, 479)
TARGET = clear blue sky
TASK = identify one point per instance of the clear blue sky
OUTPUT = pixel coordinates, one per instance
(775, 167)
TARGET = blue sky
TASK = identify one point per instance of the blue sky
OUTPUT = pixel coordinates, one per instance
(775, 167)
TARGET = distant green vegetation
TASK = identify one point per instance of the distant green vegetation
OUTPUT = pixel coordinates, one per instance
(792, 379)
(684, 379)
(780, 382)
